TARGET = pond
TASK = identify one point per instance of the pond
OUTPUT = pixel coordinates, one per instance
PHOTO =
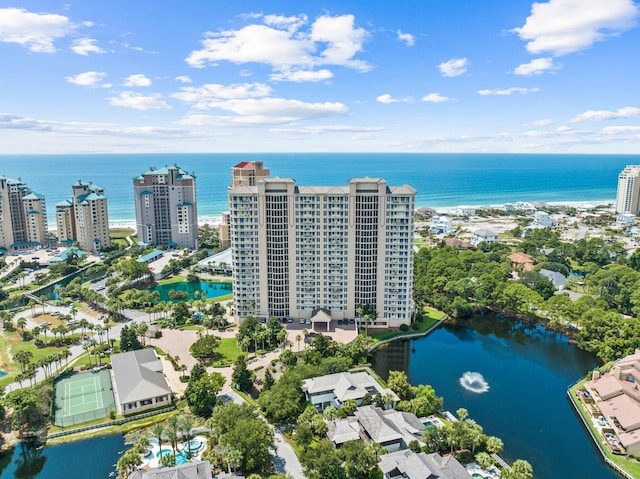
(512, 378)
(94, 458)
(194, 289)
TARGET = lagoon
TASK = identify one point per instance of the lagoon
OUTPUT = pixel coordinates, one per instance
(195, 290)
(512, 378)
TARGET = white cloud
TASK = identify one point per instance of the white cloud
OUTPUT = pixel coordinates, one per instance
(266, 111)
(615, 130)
(435, 98)
(184, 79)
(407, 38)
(137, 80)
(209, 95)
(386, 98)
(508, 91)
(319, 129)
(299, 76)
(35, 31)
(566, 26)
(287, 23)
(86, 78)
(543, 122)
(626, 112)
(85, 46)
(129, 99)
(283, 44)
(534, 67)
(454, 67)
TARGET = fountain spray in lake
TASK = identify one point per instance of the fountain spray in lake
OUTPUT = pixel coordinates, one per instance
(474, 382)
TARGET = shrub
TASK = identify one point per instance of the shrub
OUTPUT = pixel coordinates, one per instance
(112, 414)
(404, 328)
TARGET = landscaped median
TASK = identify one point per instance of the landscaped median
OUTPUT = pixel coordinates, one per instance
(628, 466)
(424, 322)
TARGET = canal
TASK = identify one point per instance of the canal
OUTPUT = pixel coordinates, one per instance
(512, 379)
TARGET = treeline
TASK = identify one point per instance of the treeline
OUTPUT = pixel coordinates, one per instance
(603, 320)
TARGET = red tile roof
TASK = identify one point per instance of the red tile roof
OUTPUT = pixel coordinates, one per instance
(521, 258)
(244, 164)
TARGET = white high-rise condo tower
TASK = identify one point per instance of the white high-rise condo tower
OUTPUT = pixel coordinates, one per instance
(166, 207)
(628, 195)
(323, 252)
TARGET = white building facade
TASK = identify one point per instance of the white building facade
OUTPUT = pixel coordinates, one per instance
(166, 207)
(628, 194)
(84, 218)
(23, 215)
(297, 249)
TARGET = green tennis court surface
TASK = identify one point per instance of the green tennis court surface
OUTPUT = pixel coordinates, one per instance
(83, 397)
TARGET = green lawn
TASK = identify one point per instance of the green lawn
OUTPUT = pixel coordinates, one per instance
(173, 279)
(228, 350)
(632, 467)
(430, 317)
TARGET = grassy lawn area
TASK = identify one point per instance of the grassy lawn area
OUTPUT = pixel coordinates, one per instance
(228, 350)
(430, 317)
(632, 467)
(173, 279)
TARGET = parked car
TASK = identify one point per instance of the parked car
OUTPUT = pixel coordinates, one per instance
(55, 313)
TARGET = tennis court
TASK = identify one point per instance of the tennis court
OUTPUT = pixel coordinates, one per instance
(83, 397)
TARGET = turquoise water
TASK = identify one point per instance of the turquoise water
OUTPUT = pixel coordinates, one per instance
(441, 179)
(213, 290)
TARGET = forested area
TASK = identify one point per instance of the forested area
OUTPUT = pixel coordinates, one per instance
(603, 320)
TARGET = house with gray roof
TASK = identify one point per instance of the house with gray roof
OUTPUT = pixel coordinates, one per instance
(390, 428)
(190, 470)
(335, 389)
(138, 381)
(558, 279)
(407, 464)
(484, 236)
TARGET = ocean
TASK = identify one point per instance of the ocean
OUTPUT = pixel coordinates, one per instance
(443, 180)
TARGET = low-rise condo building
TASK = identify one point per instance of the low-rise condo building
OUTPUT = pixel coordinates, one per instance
(616, 397)
(166, 207)
(299, 250)
(84, 218)
(23, 216)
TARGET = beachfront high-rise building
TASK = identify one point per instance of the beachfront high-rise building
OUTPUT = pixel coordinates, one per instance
(628, 195)
(244, 173)
(23, 215)
(84, 218)
(166, 207)
(323, 252)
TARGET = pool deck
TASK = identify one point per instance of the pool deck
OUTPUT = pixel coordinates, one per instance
(151, 459)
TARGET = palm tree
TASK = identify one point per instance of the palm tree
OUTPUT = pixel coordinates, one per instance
(172, 433)
(186, 425)
(298, 339)
(43, 302)
(22, 322)
(44, 328)
(157, 431)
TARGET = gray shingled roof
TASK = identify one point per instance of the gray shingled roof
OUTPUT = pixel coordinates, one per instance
(346, 385)
(422, 466)
(343, 430)
(138, 375)
(191, 470)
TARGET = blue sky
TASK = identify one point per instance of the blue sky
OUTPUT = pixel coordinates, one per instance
(280, 76)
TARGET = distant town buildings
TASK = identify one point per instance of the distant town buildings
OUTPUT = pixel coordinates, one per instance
(23, 215)
(297, 250)
(244, 173)
(166, 207)
(84, 218)
(628, 195)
